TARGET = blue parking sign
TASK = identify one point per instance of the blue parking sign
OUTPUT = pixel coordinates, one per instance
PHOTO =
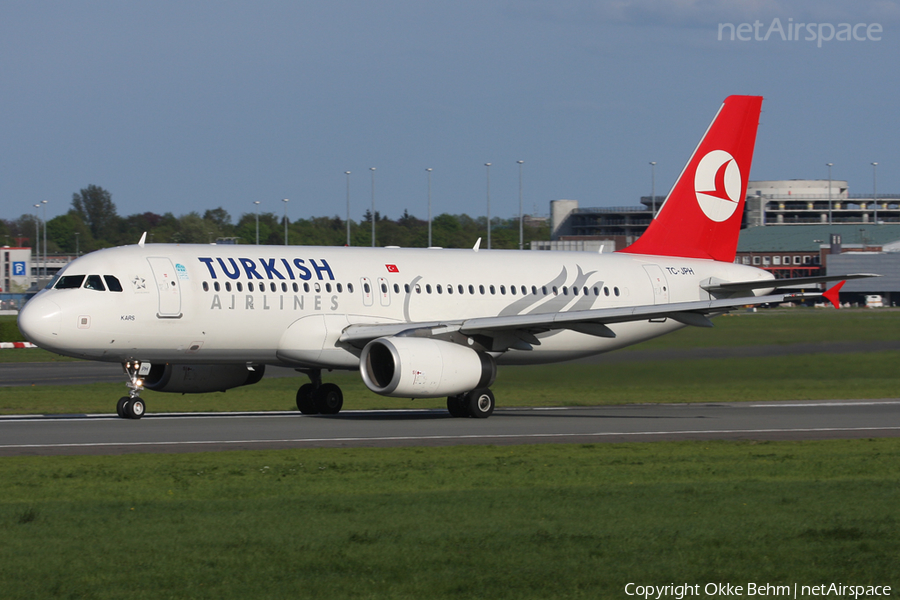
(18, 268)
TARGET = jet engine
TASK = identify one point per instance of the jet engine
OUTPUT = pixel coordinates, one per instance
(199, 379)
(410, 367)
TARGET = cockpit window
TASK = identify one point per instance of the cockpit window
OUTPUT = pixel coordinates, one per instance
(69, 282)
(112, 283)
(94, 283)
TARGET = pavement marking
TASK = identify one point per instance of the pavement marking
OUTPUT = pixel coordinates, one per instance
(448, 437)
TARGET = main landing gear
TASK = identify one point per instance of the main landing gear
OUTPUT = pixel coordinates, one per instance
(478, 403)
(317, 398)
(132, 406)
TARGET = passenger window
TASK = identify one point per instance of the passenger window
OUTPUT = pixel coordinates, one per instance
(606, 291)
(439, 290)
(396, 288)
(94, 283)
(384, 288)
(328, 287)
(227, 286)
(492, 290)
(306, 288)
(339, 287)
(534, 290)
(481, 289)
(112, 283)
(449, 289)
(574, 290)
(293, 285)
(502, 290)
(205, 286)
(472, 290)
(366, 288)
(406, 287)
(240, 286)
(271, 286)
(249, 286)
(512, 290)
(350, 287)
(555, 291)
(217, 288)
(418, 289)
(460, 289)
(284, 287)
(428, 288)
(70, 282)
(544, 290)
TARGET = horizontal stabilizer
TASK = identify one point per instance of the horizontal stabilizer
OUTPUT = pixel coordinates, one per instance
(746, 286)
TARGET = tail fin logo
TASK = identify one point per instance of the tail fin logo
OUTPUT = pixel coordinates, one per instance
(717, 183)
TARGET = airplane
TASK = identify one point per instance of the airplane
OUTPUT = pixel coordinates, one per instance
(416, 323)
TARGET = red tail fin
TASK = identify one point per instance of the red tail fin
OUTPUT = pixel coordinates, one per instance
(701, 217)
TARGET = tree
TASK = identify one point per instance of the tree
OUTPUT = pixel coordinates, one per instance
(95, 207)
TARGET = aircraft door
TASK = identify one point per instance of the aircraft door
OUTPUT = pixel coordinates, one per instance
(168, 286)
(659, 284)
(384, 291)
(367, 291)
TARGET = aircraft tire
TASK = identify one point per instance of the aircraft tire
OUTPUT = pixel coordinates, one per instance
(305, 399)
(135, 408)
(480, 403)
(457, 407)
(120, 407)
(329, 399)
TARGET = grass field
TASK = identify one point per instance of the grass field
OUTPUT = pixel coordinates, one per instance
(796, 377)
(546, 521)
(549, 521)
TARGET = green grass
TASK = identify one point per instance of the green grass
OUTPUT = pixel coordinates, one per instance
(804, 377)
(547, 521)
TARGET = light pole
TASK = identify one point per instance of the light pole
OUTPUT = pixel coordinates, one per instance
(652, 189)
(874, 196)
(285, 200)
(347, 173)
(521, 214)
(830, 218)
(428, 170)
(373, 205)
(37, 243)
(77, 233)
(488, 170)
(256, 202)
(44, 206)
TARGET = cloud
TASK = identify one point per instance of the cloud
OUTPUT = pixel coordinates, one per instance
(702, 13)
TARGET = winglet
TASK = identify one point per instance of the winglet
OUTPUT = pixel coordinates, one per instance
(831, 294)
(143, 239)
(477, 245)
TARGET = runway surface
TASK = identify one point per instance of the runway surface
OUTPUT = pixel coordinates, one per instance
(107, 434)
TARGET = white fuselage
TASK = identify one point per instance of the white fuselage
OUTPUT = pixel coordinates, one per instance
(288, 305)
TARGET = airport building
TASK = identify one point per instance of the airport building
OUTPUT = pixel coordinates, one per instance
(793, 228)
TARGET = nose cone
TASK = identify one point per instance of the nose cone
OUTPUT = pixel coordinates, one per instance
(39, 322)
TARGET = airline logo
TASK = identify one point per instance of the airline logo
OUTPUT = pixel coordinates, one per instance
(392, 268)
(717, 184)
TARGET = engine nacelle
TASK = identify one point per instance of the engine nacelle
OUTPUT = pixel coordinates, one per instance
(199, 379)
(410, 367)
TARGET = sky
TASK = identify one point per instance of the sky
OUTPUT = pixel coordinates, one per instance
(186, 106)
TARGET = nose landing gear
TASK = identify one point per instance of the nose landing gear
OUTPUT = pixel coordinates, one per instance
(132, 406)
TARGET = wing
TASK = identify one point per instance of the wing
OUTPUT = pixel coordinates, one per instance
(745, 286)
(519, 331)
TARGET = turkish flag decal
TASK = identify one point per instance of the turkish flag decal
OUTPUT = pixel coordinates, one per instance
(392, 268)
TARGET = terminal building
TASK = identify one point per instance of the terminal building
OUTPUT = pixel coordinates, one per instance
(793, 228)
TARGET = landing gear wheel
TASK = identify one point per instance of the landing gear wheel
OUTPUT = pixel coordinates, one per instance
(305, 399)
(134, 409)
(121, 405)
(480, 403)
(457, 407)
(329, 399)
